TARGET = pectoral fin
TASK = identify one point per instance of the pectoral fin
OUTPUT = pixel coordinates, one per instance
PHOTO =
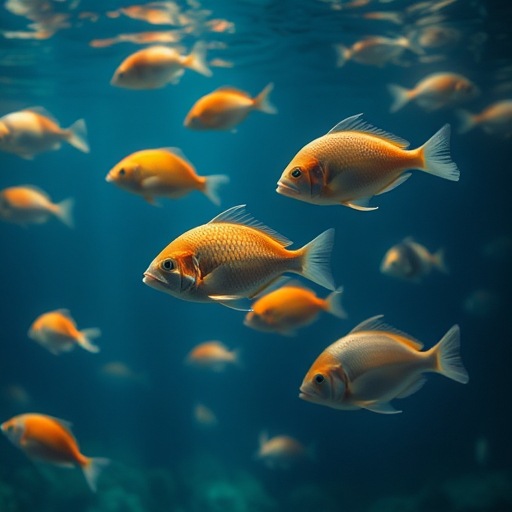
(232, 302)
(360, 204)
(395, 183)
(380, 407)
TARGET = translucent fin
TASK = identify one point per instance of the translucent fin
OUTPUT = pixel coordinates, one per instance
(333, 302)
(66, 425)
(77, 136)
(380, 407)
(86, 337)
(92, 470)
(316, 256)
(355, 124)
(197, 59)
(412, 388)
(467, 121)
(343, 54)
(401, 97)
(232, 302)
(65, 212)
(438, 260)
(360, 204)
(234, 90)
(211, 186)
(262, 103)
(179, 153)
(448, 361)
(396, 183)
(43, 112)
(67, 314)
(436, 155)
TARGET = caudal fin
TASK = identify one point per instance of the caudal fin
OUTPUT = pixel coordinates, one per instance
(197, 59)
(467, 121)
(334, 305)
(439, 261)
(448, 361)
(343, 54)
(92, 469)
(86, 337)
(315, 260)
(262, 103)
(436, 156)
(211, 186)
(401, 97)
(64, 212)
(77, 136)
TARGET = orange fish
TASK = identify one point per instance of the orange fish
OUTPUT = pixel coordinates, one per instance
(156, 66)
(57, 332)
(34, 130)
(356, 161)
(212, 355)
(282, 451)
(291, 307)
(163, 172)
(49, 440)
(495, 119)
(156, 13)
(226, 107)
(31, 205)
(235, 257)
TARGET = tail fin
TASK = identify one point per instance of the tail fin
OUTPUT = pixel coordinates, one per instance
(211, 186)
(237, 358)
(92, 470)
(401, 97)
(197, 59)
(436, 155)
(86, 337)
(333, 302)
(410, 44)
(77, 136)
(315, 259)
(447, 355)
(64, 212)
(343, 53)
(467, 121)
(439, 262)
(261, 102)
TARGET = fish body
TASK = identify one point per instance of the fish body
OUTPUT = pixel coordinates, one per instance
(165, 172)
(156, 66)
(31, 131)
(234, 257)
(204, 416)
(494, 120)
(212, 355)
(375, 364)
(46, 439)
(56, 331)
(282, 451)
(30, 205)
(226, 107)
(356, 161)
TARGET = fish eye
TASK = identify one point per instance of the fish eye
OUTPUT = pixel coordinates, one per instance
(167, 265)
(10, 428)
(122, 172)
(296, 173)
(319, 378)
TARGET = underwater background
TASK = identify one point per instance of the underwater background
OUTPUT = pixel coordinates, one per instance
(449, 450)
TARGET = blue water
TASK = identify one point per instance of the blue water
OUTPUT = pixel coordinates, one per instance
(161, 460)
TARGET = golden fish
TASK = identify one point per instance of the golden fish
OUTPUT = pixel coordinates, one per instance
(282, 451)
(496, 119)
(213, 355)
(234, 257)
(356, 161)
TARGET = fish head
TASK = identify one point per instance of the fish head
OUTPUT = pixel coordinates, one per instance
(129, 75)
(14, 429)
(194, 121)
(466, 90)
(392, 263)
(303, 178)
(260, 320)
(126, 174)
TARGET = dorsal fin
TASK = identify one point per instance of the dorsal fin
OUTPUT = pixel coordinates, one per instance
(229, 88)
(356, 124)
(42, 112)
(36, 189)
(238, 215)
(66, 425)
(374, 324)
(66, 313)
(179, 153)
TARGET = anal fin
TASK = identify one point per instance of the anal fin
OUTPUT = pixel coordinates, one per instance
(380, 407)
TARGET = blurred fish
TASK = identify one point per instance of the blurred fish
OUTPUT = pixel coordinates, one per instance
(156, 13)
(393, 16)
(156, 66)
(46, 439)
(436, 36)
(204, 416)
(494, 120)
(435, 91)
(164, 172)
(291, 307)
(375, 364)
(30, 205)
(213, 355)
(356, 161)
(234, 257)
(226, 107)
(56, 331)
(282, 451)
(121, 372)
(411, 261)
(169, 36)
(481, 303)
(221, 26)
(34, 130)
(16, 395)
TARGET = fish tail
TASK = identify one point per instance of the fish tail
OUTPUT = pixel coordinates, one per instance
(64, 212)
(262, 103)
(343, 54)
(435, 154)
(237, 358)
(86, 337)
(315, 259)
(92, 470)
(77, 136)
(467, 121)
(439, 261)
(197, 59)
(410, 44)
(447, 356)
(333, 302)
(211, 185)
(401, 97)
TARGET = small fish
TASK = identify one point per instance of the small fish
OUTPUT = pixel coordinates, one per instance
(411, 261)
(56, 331)
(494, 120)
(121, 372)
(436, 36)
(34, 130)
(46, 439)
(213, 355)
(291, 307)
(30, 205)
(156, 13)
(436, 91)
(163, 172)
(156, 66)
(356, 161)
(235, 257)
(227, 107)
(204, 416)
(375, 364)
(282, 451)
(16, 395)
(392, 16)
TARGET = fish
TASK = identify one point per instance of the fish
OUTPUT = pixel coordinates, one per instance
(34, 130)
(436, 36)
(164, 172)
(122, 373)
(234, 257)
(282, 451)
(496, 119)
(156, 66)
(28, 204)
(290, 307)
(156, 13)
(411, 261)
(226, 107)
(46, 439)
(376, 363)
(213, 355)
(204, 416)
(16, 394)
(356, 161)
(56, 331)
(435, 91)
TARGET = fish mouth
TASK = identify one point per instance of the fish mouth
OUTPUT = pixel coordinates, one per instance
(304, 395)
(286, 188)
(154, 281)
(108, 177)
